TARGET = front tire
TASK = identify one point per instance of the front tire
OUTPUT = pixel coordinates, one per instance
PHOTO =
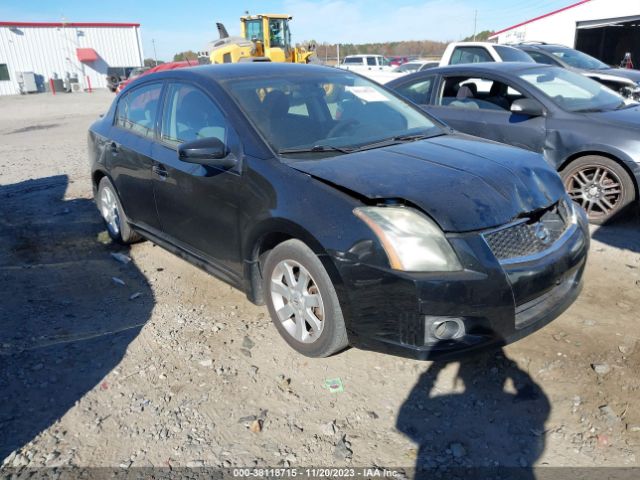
(113, 214)
(302, 300)
(600, 185)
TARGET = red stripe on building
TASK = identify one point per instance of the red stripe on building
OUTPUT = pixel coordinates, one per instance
(69, 24)
(541, 17)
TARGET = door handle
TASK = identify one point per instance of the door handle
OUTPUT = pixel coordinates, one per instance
(160, 171)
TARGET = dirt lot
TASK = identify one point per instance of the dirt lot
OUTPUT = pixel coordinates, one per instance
(175, 368)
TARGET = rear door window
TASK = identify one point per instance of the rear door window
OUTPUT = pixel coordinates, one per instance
(418, 91)
(470, 55)
(137, 110)
(371, 61)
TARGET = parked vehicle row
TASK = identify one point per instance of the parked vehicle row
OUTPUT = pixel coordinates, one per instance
(381, 69)
(624, 81)
(585, 130)
(158, 68)
(355, 216)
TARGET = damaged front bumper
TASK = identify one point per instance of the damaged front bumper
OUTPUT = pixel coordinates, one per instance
(442, 315)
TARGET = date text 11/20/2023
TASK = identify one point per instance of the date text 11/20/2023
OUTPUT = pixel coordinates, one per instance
(319, 472)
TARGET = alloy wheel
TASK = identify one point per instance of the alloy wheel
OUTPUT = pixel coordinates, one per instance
(597, 189)
(109, 210)
(297, 301)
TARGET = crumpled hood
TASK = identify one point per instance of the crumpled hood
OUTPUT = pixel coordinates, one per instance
(629, 74)
(462, 182)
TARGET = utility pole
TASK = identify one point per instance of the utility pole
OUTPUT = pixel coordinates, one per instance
(155, 55)
(475, 25)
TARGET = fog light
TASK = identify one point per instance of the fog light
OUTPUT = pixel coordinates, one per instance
(447, 328)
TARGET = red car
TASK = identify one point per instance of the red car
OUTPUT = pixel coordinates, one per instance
(159, 68)
(397, 61)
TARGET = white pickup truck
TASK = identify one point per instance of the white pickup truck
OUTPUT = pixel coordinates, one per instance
(478, 52)
(365, 63)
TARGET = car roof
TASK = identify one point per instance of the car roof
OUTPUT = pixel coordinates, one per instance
(242, 70)
(540, 46)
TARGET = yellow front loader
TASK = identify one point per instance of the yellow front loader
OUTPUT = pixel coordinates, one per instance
(265, 38)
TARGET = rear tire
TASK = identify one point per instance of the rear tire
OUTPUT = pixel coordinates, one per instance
(302, 300)
(113, 214)
(600, 185)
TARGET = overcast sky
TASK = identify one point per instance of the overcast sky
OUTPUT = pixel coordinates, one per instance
(188, 25)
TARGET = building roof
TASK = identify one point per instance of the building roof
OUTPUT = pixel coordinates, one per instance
(495, 34)
(67, 24)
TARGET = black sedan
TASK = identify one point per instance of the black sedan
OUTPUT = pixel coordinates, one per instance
(585, 130)
(356, 217)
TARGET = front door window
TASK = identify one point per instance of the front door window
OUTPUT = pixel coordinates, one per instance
(190, 115)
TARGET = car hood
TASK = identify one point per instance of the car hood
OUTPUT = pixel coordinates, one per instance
(627, 117)
(462, 182)
(633, 75)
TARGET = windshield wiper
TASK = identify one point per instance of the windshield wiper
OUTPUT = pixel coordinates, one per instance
(590, 110)
(411, 138)
(316, 149)
(398, 139)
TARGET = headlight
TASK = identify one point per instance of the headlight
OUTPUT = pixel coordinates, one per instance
(568, 211)
(413, 242)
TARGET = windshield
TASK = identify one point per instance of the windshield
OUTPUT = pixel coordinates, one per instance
(510, 54)
(571, 91)
(278, 33)
(578, 59)
(332, 109)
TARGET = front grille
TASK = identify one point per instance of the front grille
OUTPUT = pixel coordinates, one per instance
(531, 235)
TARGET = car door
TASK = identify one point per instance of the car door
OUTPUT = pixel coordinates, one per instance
(481, 105)
(132, 136)
(197, 205)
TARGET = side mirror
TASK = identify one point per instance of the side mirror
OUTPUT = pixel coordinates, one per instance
(527, 106)
(210, 152)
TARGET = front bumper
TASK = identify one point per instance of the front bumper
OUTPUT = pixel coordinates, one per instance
(495, 303)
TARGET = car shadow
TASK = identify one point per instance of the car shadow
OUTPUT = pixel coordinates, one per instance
(65, 322)
(623, 233)
(481, 417)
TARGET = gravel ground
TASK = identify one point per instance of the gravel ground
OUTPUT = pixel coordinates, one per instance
(155, 363)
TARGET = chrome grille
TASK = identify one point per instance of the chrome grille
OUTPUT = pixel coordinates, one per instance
(529, 236)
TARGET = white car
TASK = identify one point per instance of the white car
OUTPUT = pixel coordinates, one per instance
(478, 52)
(415, 66)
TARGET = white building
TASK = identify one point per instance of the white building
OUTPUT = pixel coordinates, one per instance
(84, 50)
(606, 29)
